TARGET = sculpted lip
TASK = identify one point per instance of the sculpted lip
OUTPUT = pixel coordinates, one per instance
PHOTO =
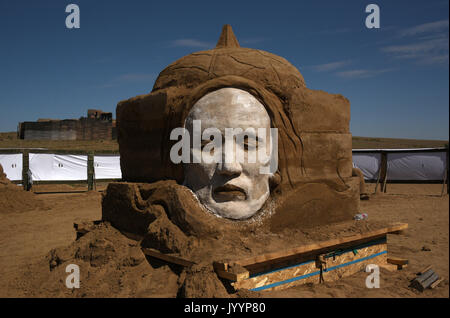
(229, 192)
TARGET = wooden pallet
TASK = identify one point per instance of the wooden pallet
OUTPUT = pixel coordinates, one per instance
(312, 263)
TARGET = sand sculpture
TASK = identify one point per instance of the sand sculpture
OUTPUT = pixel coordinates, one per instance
(199, 229)
(163, 201)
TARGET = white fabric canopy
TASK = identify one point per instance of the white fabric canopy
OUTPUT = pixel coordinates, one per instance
(52, 167)
(12, 166)
(422, 166)
(107, 167)
(368, 163)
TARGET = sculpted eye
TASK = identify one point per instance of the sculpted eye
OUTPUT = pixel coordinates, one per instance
(250, 143)
(204, 143)
(211, 144)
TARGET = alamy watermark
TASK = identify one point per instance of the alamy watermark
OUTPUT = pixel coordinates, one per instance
(73, 19)
(373, 279)
(208, 147)
(73, 279)
(373, 19)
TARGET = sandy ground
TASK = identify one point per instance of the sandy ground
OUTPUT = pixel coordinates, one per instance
(26, 237)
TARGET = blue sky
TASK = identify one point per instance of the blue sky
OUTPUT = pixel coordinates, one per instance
(395, 77)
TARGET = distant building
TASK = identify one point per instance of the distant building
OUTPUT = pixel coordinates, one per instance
(97, 125)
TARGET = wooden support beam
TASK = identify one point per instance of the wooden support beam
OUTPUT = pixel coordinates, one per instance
(90, 171)
(399, 262)
(167, 257)
(25, 167)
(444, 181)
(389, 267)
(385, 181)
(316, 247)
(436, 283)
(446, 175)
(236, 277)
(423, 270)
(220, 266)
(378, 179)
(383, 171)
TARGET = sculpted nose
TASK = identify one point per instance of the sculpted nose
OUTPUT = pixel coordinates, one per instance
(229, 166)
(232, 169)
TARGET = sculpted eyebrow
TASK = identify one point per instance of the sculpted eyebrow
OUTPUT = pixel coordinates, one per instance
(255, 137)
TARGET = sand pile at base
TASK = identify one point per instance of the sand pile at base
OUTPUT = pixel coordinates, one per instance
(14, 199)
(113, 265)
(4, 181)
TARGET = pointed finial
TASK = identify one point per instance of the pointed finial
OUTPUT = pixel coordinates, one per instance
(227, 38)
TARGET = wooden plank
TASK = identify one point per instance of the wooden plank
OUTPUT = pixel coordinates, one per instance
(389, 267)
(236, 277)
(423, 270)
(436, 283)
(321, 245)
(221, 266)
(167, 257)
(397, 261)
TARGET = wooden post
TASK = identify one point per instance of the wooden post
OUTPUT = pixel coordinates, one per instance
(378, 178)
(25, 167)
(447, 167)
(383, 171)
(443, 182)
(90, 171)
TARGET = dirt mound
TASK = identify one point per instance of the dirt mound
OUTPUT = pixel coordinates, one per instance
(4, 181)
(112, 265)
(14, 199)
(200, 281)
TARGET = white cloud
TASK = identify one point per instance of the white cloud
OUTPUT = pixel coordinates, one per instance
(191, 43)
(436, 26)
(429, 51)
(419, 48)
(329, 66)
(361, 73)
(428, 43)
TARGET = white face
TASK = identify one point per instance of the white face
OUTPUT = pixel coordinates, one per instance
(231, 188)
